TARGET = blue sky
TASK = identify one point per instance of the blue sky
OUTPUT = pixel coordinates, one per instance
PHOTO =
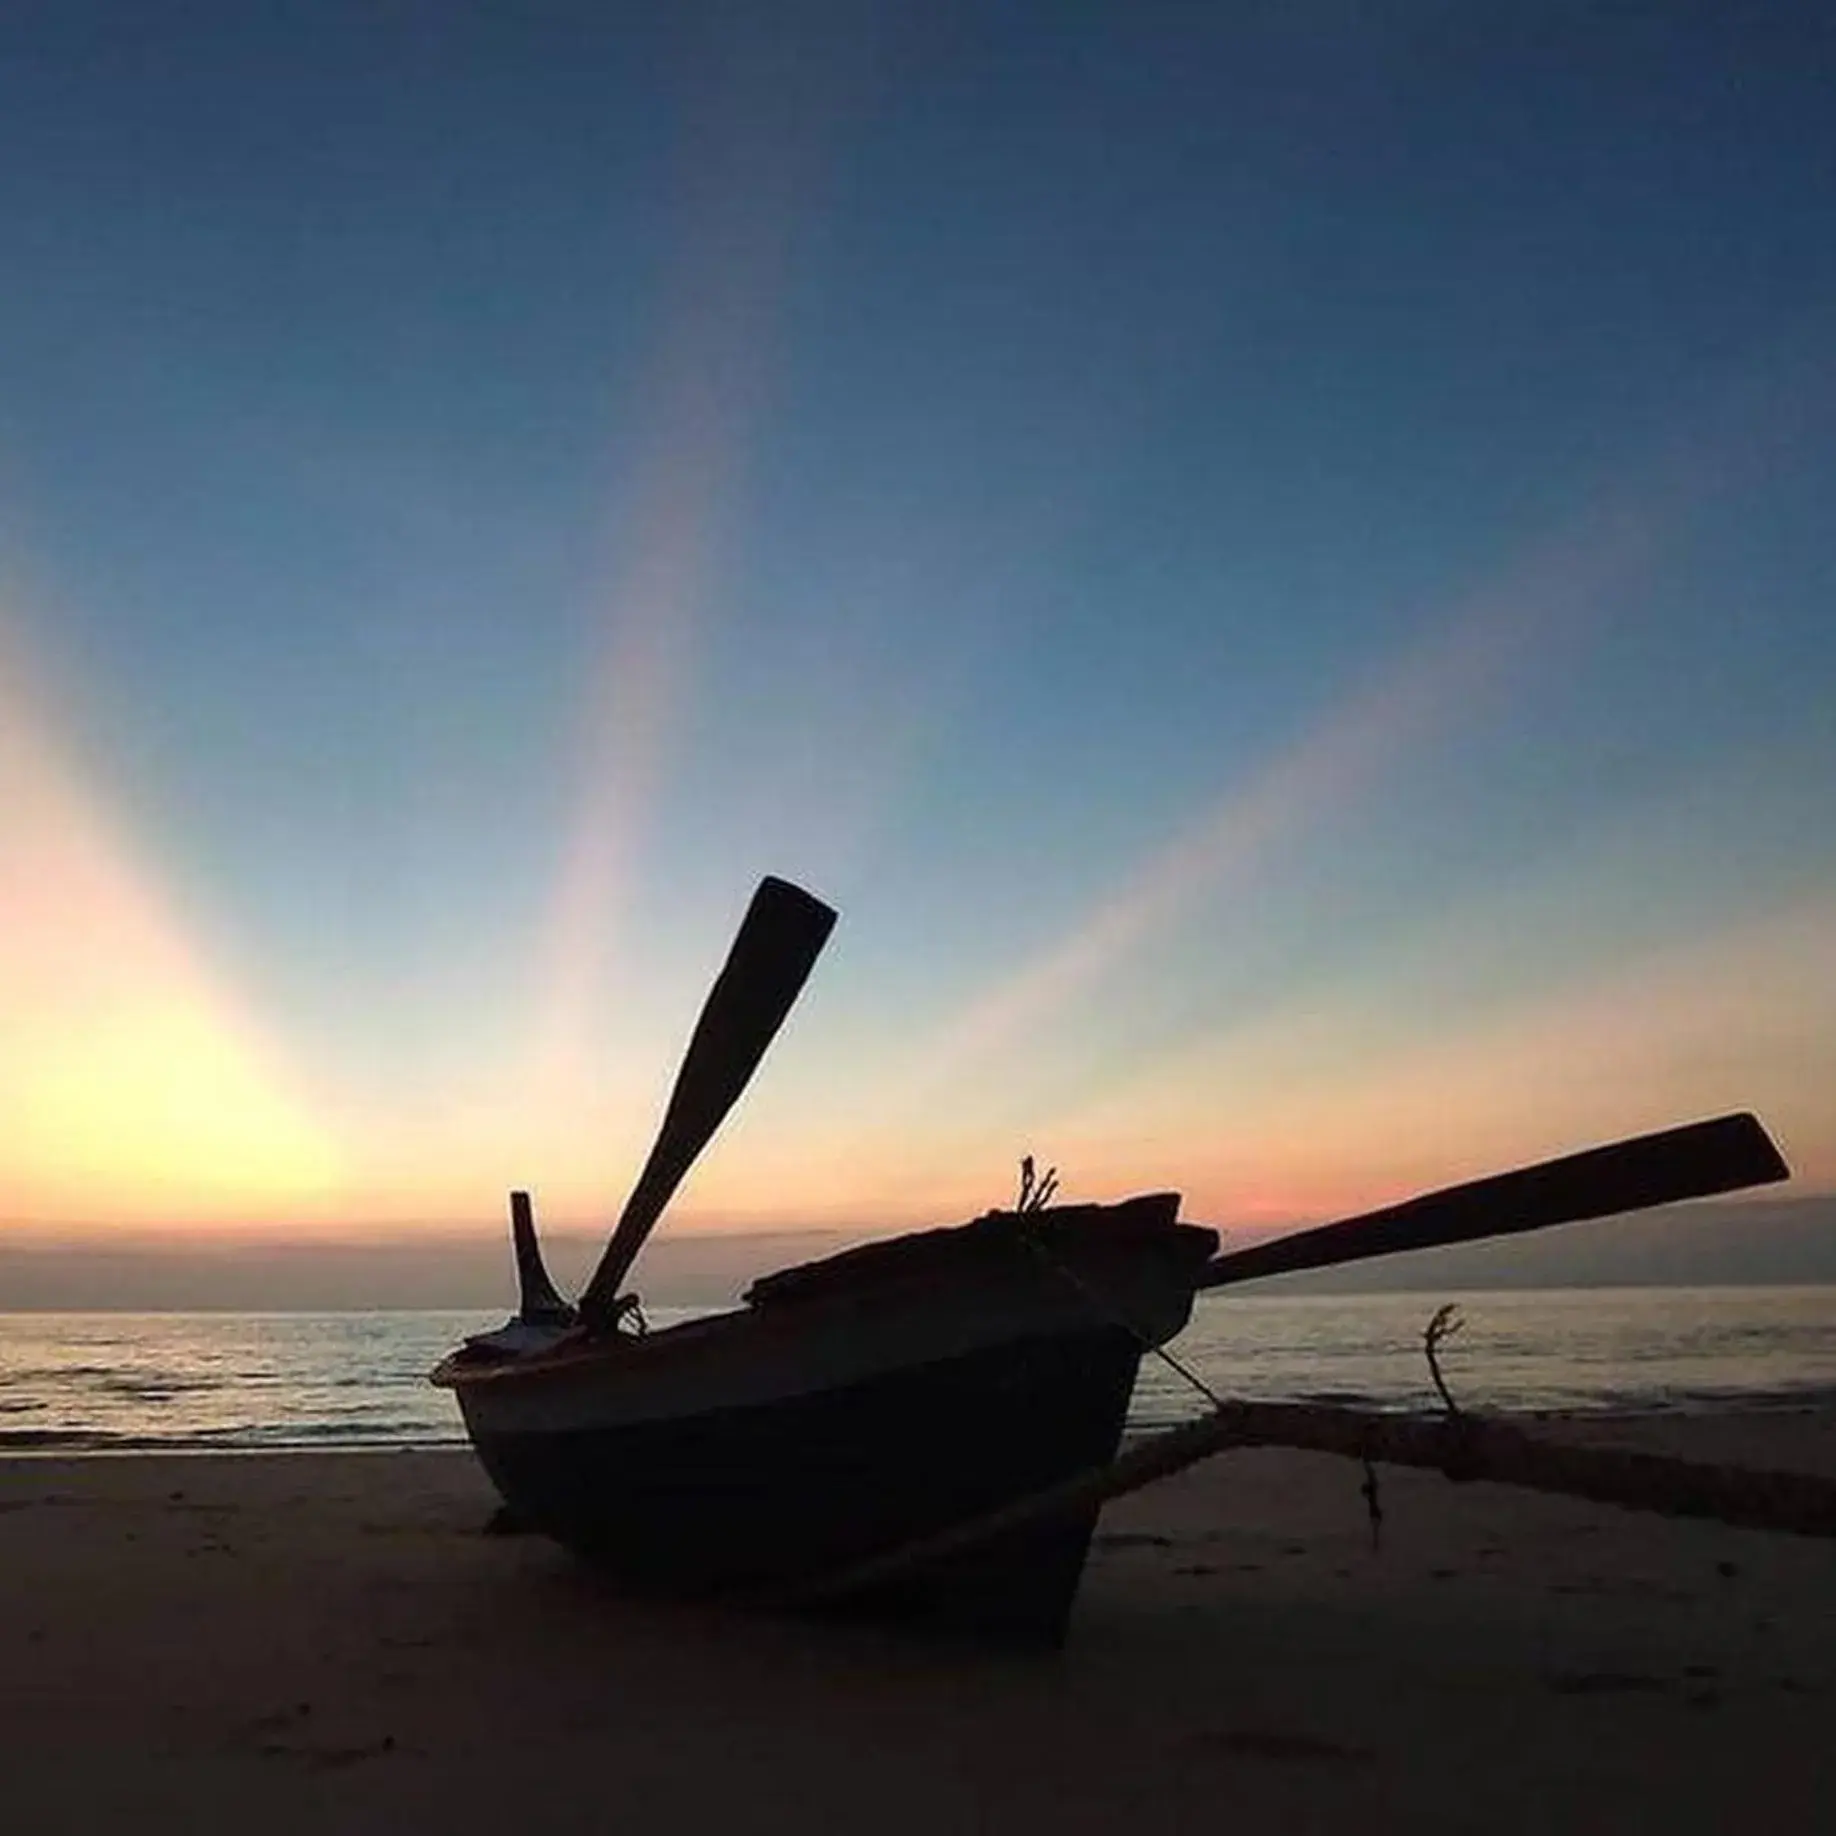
(1190, 524)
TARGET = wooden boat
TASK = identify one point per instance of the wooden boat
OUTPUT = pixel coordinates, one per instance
(875, 1401)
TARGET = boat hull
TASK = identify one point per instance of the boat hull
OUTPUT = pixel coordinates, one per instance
(853, 1409)
(757, 1501)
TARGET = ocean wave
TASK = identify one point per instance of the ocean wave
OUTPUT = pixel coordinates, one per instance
(59, 1373)
(307, 1439)
(158, 1389)
(1714, 1399)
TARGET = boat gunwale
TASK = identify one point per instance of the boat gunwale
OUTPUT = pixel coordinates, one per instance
(794, 1313)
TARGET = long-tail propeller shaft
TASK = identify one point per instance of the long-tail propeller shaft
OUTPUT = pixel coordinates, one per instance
(1695, 1161)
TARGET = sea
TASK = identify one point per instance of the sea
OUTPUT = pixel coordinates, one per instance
(114, 1383)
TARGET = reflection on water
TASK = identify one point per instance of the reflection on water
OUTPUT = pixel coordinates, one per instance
(123, 1381)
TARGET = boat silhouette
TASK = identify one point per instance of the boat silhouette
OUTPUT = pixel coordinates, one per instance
(923, 1428)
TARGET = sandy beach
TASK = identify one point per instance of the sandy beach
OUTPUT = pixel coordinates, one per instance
(329, 1642)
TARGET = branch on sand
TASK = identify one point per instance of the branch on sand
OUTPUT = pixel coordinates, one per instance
(1462, 1446)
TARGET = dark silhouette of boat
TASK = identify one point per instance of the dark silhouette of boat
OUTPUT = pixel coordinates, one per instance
(872, 1404)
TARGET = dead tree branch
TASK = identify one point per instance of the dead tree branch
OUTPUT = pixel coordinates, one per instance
(1442, 1327)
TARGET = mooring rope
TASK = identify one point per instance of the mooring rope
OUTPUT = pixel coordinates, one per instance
(1034, 1196)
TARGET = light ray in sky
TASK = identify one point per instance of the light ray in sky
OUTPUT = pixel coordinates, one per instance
(1412, 703)
(1532, 617)
(745, 174)
(132, 1085)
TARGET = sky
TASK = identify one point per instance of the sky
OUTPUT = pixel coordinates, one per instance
(1277, 564)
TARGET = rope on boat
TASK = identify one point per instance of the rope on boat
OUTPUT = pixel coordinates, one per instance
(1465, 1447)
(1034, 1197)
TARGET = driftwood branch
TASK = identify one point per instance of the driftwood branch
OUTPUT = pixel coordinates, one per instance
(1461, 1446)
(1439, 1330)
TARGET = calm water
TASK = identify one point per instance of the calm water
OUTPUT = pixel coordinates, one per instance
(115, 1382)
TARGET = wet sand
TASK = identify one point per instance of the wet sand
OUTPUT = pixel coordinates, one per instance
(329, 1642)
